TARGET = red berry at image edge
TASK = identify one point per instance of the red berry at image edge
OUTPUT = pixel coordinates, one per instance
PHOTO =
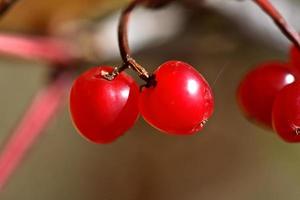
(295, 57)
(180, 102)
(257, 91)
(103, 110)
(286, 113)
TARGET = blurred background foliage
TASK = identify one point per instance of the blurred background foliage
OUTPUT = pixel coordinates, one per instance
(230, 159)
(36, 16)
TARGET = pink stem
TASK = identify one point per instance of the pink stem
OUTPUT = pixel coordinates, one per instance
(44, 106)
(37, 48)
(279, 20)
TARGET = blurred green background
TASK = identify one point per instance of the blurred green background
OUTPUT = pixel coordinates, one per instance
(230, 159)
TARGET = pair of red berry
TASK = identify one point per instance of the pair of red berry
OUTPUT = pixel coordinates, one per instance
(179, 102)
(270, 95)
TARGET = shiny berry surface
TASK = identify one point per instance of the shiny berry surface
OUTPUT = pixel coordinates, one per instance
(103, 110)
(295, 57)
(286, 113)
(180, 102)
(257, 91)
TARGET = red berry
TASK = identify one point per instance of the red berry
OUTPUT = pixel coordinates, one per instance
(257, 91)
(103, 110)
(286, 113)
(180, 102)
(295, 57)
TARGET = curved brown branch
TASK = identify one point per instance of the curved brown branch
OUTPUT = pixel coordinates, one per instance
(279, 20)
(123, 42)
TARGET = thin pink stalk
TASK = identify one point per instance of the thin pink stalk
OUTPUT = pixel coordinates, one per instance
(42, 109)
(37, 48)
(279, 20)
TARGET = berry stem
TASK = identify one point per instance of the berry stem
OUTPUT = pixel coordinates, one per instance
(42, 109)
(279, 20)
(129, 62)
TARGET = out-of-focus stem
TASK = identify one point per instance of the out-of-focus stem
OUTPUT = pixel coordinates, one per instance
(37, 48)
(279, 20)
(5, 5)
(42, 109)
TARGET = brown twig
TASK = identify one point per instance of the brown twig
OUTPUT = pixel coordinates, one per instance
(123, 30)
(5, 5)
(156, 3)
(279, 20)
(128, 61)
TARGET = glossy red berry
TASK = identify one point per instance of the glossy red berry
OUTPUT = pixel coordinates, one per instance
(295, 57)
(257, 91)
(180, 102)
(286, 113)
(103, 110)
